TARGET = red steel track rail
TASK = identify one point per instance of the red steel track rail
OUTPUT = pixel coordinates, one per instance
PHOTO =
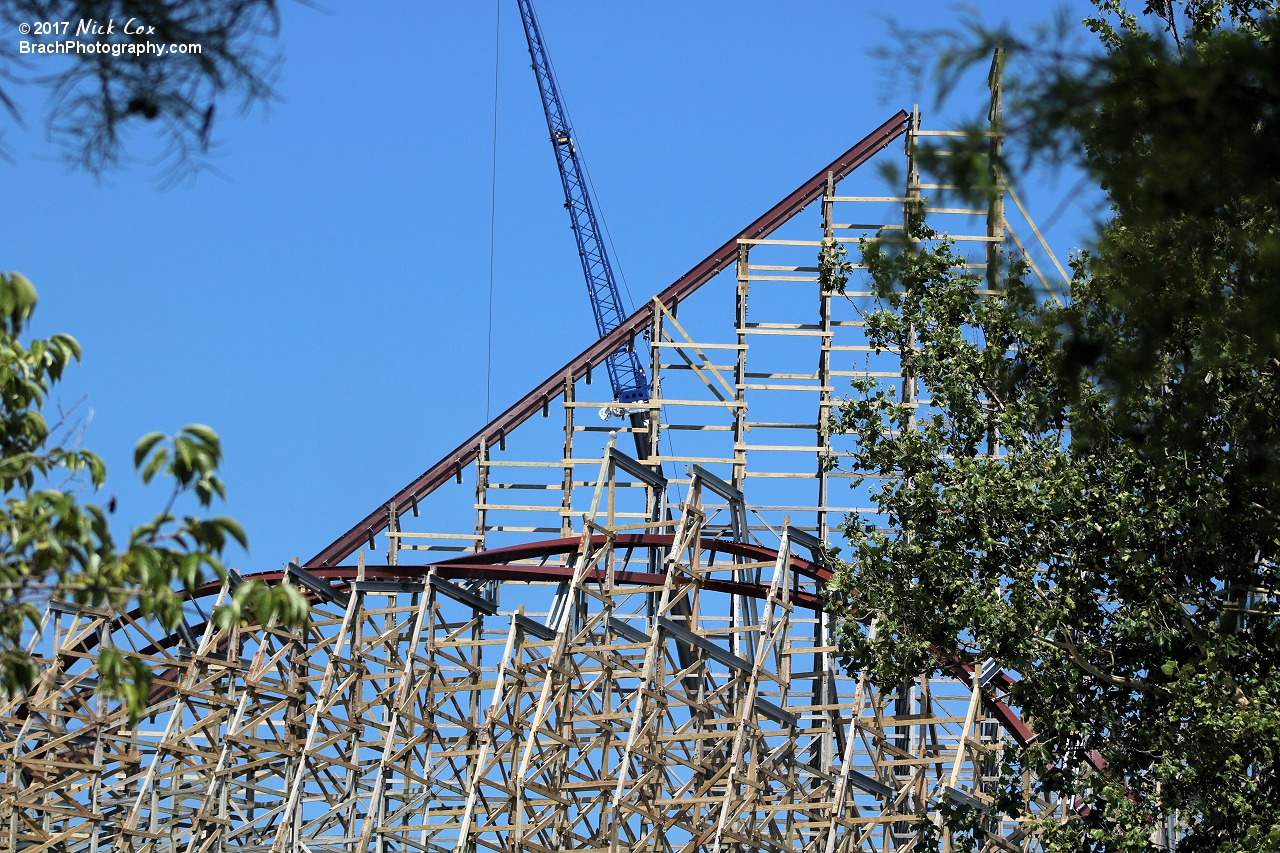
(553, 386)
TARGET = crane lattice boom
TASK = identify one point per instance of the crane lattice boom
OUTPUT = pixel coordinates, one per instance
(627, 377)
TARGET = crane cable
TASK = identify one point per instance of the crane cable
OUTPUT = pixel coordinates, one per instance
(493, 212)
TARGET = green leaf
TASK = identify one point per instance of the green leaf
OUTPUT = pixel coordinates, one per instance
(233, 528)
(17, 300)
(144, 446)
(159, 461)
(206, 435)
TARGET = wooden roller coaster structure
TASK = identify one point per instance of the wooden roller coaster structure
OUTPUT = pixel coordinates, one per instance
(625, 654)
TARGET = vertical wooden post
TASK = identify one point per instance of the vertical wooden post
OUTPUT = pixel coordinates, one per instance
(822, 682)
(909, 214)
(393, 535)
(611, 491)
(296, 725)
(913, 163)
(566, 500)
(95, 783)
(655, 387)
(824, 366)
(482, 493)
(995, 209)
(902, 698)
(740, 369)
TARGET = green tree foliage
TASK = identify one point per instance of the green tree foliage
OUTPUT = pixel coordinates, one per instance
(97, 96)
(1128, 580)
(1089, 494)
(1177, 124)
(55, 546)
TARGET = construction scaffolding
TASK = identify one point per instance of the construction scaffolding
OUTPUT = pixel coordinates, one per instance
(584, 634)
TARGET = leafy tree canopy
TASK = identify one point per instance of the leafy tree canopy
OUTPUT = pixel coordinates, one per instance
(1089, 494)
(57, 547)
(1176, 123)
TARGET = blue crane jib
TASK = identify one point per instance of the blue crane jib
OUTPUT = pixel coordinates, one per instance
(630, 384)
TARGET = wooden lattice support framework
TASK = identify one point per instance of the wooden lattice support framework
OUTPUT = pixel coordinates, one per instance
(642, 710)
(658, 675)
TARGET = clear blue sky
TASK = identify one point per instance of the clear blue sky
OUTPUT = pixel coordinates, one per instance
(322, 303)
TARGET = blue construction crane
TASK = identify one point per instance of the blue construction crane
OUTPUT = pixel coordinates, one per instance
(630, 384)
